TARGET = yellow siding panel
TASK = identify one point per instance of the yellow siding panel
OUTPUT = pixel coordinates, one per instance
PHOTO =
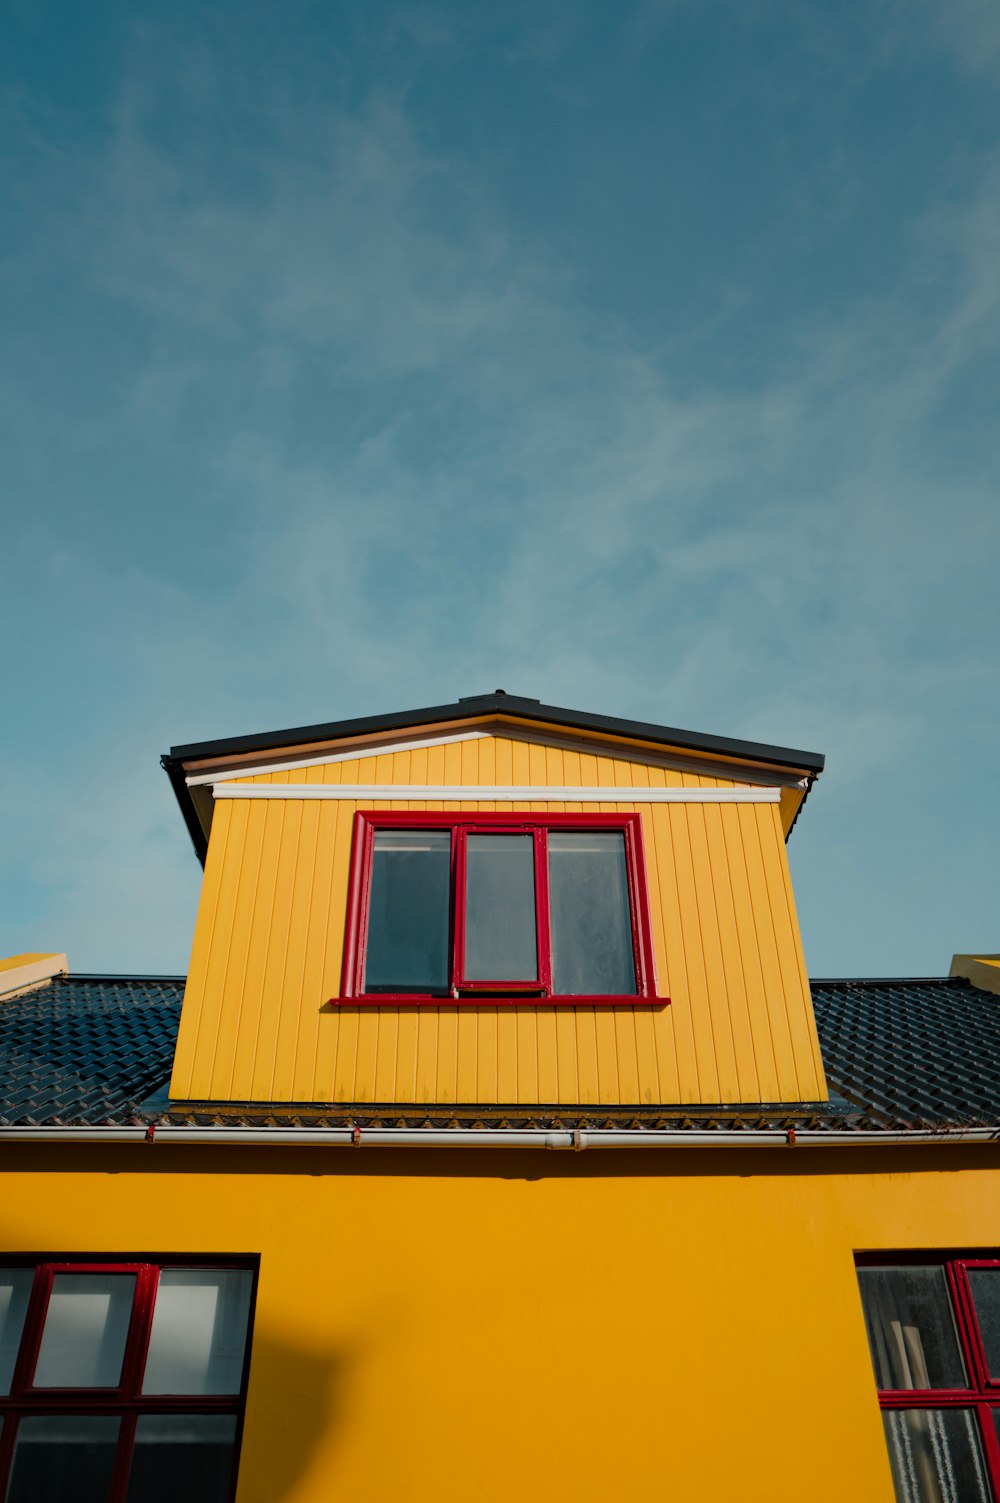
(200, 1021)
(674, 1041)
(327, 1045)
(293, 981)
(721, 903)
(713, 1013)
(254, 997)
(488, 759)
(767, 953)
(647, 1044)
(802, 1026)
(235, 1019)
(268, 948)
(276, 954)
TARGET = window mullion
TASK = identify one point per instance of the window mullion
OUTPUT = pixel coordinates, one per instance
(458, 844)
(31, 1336)
(543, 928)
(973, 1333)
(123, 1460)
(8, 1425)
(138, 1339)
(991, 1445)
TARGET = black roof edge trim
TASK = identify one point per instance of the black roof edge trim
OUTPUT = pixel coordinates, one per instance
(510, 704)
(885, 980)
(175, 772)
(509, 1109)
(115, 976)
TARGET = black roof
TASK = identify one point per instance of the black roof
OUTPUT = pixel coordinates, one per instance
(913, 1051)
(472, 706)
(93, 1050)
(86, 1049)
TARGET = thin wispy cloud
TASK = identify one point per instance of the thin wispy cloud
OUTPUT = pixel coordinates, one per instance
(315, 411)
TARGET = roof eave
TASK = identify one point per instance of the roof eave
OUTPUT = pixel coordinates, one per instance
(472, 708)
(503, 704)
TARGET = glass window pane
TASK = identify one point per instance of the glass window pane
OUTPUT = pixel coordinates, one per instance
(199, 1331)
(86, 1326)
(589, 915)
(985, 1286)
(63, 1459)
(187, 1456)
(936, 1456)
(409, 911)
(911, 1330)
(15, 1291)
(500, 940)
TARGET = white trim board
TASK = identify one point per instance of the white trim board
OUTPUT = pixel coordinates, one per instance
(356, 753)
(472, 793)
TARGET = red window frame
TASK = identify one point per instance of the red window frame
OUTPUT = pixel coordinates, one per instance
(470, 993)
(983, 1392)
(126, 1402)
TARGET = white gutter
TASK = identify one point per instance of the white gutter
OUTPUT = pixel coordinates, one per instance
(391, 1137)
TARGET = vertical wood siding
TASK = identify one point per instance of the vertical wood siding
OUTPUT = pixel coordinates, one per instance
(269, 941)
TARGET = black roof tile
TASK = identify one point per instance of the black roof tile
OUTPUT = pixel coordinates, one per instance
(86, 1049)
(91, 1050)
(915, 1053)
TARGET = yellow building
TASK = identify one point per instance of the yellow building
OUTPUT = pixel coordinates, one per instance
(497, 1147)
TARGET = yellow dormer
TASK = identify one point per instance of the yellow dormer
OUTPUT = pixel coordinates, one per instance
(495, 903)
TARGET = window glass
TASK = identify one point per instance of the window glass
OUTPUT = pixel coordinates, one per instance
(187, 1456)
(63, 1459)
(911, 1330)
(936, 1456)
(985, 1286)
(86, 1326)
(500, 940)
(199, 1331)
(589, 914)
(15, 1291)
(408, 912)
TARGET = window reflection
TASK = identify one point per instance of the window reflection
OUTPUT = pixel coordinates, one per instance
(910, 1326)
(985, 1286)
(187, 1456)
(86, 1326)
(590, 917)
(409, 908)
(63, 1459)
(936, 1456)
(199, 1331)
(500, 938)
(15, 1291)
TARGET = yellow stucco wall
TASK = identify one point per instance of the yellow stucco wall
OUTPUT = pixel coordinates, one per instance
(269, 941)
(446, 1325)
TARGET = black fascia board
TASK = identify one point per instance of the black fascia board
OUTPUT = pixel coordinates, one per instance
(175, 772)
(502, 704)
(469, 708)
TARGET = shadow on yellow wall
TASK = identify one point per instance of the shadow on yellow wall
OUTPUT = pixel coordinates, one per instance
(295, 1404)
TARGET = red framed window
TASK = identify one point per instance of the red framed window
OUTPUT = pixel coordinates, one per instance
(933, 1324)
(498, 907)
(122, 1381)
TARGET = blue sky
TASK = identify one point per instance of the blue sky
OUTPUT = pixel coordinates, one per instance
(640, 357)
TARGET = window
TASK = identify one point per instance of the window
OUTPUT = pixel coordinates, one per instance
(122, 1382)
(504, 907)
(934, 1331)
